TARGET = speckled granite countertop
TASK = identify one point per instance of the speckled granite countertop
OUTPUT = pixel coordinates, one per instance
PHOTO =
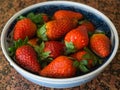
(109, 79)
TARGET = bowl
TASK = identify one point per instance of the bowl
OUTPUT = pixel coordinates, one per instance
(101, 22)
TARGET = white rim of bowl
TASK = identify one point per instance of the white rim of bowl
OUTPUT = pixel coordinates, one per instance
(55, 80)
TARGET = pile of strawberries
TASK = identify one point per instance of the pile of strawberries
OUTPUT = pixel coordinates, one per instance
(58, 46)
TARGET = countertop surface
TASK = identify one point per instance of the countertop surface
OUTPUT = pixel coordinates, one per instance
(109, 79)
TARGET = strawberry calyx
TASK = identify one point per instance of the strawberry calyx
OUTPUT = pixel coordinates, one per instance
(43, 56)
(21, 17)
(84, 64)
(70, 48)
(36, 18)
(41, 33)
(17, 44)
(41, 53)
(91, 56)
(81, 65)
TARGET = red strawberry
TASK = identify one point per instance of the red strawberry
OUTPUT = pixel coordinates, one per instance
(45, 17)
(56, 29)
(89, 26)
(67, 14)
(55, 48)
(80, 56)
(33, 42)
(100, 44)
(27, 58)
(61, 67)
(78, 37)
(24, 27)
(85, 59)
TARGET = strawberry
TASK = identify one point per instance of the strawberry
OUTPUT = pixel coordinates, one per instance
(24, 28)
(33, 42)
(78, 37)
(67, 14)
(55, 48)
(27, 58)
(56, 29)
(80, 55)
(100, 44)
(60, 67)
(88, 25)
(85, 59)
(49, 50)
(45, 17)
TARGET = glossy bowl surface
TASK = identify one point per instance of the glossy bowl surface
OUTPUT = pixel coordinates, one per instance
(100, 21)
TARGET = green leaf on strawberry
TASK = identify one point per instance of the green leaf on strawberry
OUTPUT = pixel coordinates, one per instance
(36, 18)
(44, 55)
(17, 44)
(70, 48)
(76, 63)
(86, 56)
(41, 33)
(40, 51)
(85, 63)
(83, 68)
(92, 56)
(40, 48)
(21, 17)
(82, 65)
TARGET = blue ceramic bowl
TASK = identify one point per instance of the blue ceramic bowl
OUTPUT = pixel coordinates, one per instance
(100, 21)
